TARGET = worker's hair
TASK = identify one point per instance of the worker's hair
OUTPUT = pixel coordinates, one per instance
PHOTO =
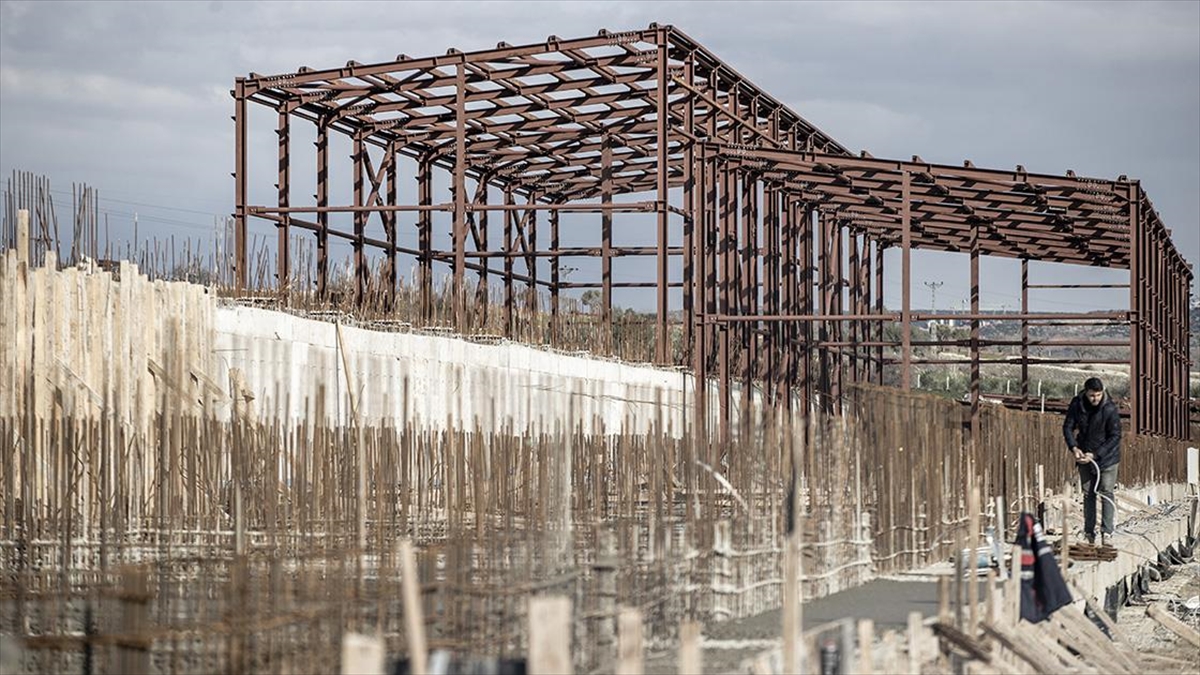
(1093, 384)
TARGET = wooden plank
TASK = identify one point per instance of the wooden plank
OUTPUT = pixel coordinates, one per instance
(550, 636)
(1089, 640)
(1019, 646)
(964, 642)
(1168, 621)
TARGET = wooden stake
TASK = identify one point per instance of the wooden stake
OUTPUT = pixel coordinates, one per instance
(414, 617)
(1065, 559)
(629, 642)
(550, 636)
(691, 656)
(973, 562)
(916, 642)
(1014, 586)
(362, 655)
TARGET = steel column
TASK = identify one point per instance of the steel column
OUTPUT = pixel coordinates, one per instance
(283, 264)
(241, 255)
(975, 375)
(662, 177)
(322, 198)
(1024, 334)
(425, 234)
(460, 197)
(906, 279)
(360, 221)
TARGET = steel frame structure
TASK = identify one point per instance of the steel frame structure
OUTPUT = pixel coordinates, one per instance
(783, 230)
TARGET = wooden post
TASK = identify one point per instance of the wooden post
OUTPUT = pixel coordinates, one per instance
(973, 562)
(791, 605)
(944, 615)
(1001, 519)
(362, 655)
(1014, 586)
(866, 644)
(916, 641)
(1065, 560)
(550, 636)
(23, 255)
(135, 656)
(846, 664)
(414, 616)
(691, 656)
(629, 642)
(605, 569)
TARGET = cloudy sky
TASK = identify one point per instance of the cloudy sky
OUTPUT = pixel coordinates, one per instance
(133, 98)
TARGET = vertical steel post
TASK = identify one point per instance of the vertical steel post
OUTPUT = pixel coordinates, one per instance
(322, 198)
(360, 220)
(749, 291)
(864, 330)
(808, 223)
(855, 301)
(555, 279)
(663, 170)
(1135, 312)
(531, 301)
(690, 205)
(606, 253)
(283, 186)
(1024, 334)
(696, 309)
(786, 344)
(389, 224)
(728, 252)
(879, 323)
(906, 279)
(510, 217)
(481, 240)
(425, 234)
(460, 196)
(975, 375)
(241, 255)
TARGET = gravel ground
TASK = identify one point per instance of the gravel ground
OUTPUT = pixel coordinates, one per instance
(1148, 637)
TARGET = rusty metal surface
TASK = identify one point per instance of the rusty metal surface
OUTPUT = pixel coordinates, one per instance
(766, 231)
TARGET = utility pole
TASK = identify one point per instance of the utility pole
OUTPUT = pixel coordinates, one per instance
(933, 286)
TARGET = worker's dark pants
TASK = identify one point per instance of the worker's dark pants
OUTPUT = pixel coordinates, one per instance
(1087, 480)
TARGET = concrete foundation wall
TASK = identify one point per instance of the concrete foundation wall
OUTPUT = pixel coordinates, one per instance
(92, 342)
(295, 366)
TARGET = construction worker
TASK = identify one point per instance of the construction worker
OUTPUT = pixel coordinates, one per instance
(1092, 430)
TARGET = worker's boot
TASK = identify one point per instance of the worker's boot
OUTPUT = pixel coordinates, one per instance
(1105, 538)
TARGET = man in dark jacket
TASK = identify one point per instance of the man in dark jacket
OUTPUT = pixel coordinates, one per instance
(1093, 433)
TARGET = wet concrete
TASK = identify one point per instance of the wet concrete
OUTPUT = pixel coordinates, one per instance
(887, 602)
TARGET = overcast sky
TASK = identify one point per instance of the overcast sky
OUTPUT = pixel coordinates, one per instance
(133, 98)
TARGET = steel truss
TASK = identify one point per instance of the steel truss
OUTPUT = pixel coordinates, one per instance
(783, 230)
